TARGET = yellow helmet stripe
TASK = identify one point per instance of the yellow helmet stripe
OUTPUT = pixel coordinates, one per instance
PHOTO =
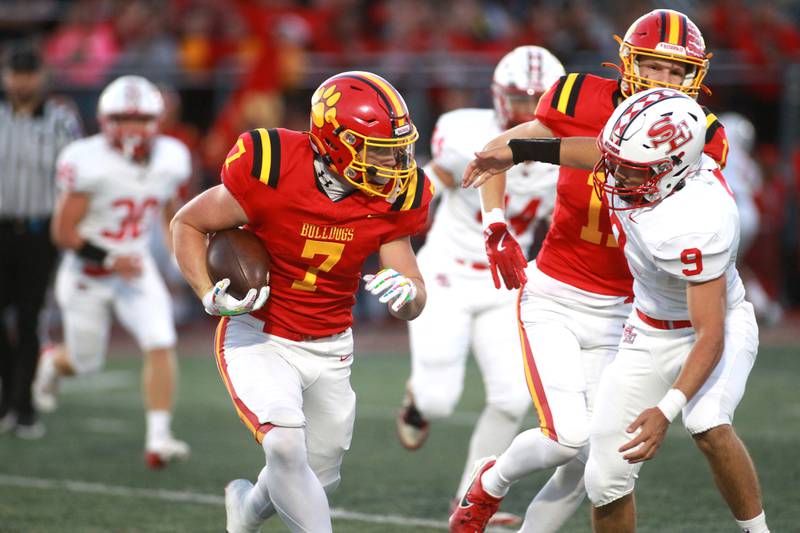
(390, 93)
(674, 28)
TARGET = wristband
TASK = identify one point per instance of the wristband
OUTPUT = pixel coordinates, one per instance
(93, 253)
(672, 403)
(542, 150)
(493, 216)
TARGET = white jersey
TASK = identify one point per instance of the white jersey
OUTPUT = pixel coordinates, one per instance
(692, 235)
(530, 187)
(125, 198)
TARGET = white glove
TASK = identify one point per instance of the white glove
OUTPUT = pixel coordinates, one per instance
(393, 285)
(219, 303)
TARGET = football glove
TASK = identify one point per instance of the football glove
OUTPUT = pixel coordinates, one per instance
(391, 286)
(505, 256)
(219, 303)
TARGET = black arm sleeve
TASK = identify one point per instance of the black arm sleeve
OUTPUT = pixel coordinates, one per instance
(542, 150)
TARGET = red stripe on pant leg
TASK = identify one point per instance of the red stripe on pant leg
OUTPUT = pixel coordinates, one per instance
(535, 387)
(246, 415)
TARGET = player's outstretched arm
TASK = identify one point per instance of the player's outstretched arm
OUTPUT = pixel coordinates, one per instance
(213, 210)
(496, 156)
(399, 284)
(707, 306)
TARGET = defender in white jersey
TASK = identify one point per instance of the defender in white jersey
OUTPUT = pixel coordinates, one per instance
(453, 259)
(114, 186)
(691, 339)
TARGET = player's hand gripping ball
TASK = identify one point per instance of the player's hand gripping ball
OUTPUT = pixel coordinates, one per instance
(239, 264)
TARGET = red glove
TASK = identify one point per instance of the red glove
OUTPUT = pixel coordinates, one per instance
(505, 255)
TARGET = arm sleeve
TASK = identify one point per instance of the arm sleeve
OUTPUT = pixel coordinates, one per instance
(696, 257)
(71, 172)
(414, 221)
(716, 139)
(183, 164)
(445, 151)
(237, 178)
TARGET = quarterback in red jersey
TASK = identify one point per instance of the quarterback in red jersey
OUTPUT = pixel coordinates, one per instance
(576, 295)
(321, 202)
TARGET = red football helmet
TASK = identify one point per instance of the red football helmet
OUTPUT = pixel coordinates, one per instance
(663, 34)
(361, 127)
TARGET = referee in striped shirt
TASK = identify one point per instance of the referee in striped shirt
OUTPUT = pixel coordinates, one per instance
(33, 129)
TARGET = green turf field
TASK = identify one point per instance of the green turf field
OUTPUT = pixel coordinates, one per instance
(87, 475)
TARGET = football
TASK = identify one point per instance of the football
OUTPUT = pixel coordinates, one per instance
(238, 255)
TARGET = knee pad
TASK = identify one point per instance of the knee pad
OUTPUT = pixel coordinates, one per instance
(705, 416)
(87, 361)
(609, 480)
(286, 446)
(573, 433)
(511, 405)
(437, 403)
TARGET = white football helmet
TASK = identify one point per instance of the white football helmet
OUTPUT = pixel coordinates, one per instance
(652, 142)
(520, 79)
(128, 112)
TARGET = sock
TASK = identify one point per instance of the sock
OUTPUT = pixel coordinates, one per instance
(492, 434)
(557, 501)
(530, 451)
(257, 502)
(754, 525)
(157, 423)
(294, 489)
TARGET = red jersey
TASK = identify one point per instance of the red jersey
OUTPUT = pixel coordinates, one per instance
(317, 245)
(580, 248)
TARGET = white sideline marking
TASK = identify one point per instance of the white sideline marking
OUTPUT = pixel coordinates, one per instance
(194, 497)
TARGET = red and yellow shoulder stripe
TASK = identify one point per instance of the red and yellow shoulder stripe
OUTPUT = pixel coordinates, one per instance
(266, 156)
(565, 96)
(414, 195)
(716, 139)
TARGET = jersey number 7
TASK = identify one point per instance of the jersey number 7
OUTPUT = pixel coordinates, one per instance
(333, 252)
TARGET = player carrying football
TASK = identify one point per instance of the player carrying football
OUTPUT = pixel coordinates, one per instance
(321, 202)
(115, 185)
(577, 293)
(460, 292)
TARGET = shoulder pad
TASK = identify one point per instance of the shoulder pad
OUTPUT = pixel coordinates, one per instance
(418, 193)
(266, 165)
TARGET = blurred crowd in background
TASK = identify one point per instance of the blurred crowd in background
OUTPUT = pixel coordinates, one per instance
(230, 66)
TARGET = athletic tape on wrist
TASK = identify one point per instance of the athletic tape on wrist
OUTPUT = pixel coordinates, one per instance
(672, 403)
(493, 216)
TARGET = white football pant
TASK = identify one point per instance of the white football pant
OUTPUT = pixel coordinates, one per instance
(293, 384)
(464, 312)
(647, 364)
(569, 336)
(142, 305)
